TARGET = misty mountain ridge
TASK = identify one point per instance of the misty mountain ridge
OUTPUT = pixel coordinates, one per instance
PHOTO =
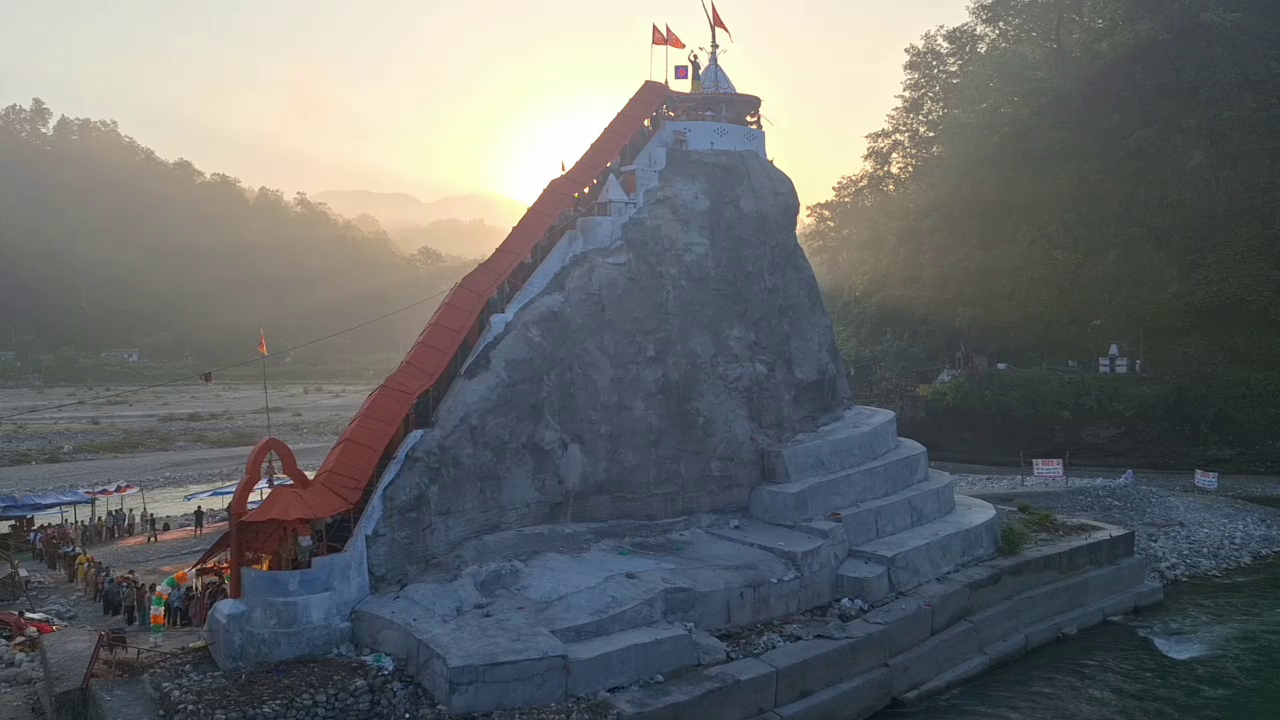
(401, 210)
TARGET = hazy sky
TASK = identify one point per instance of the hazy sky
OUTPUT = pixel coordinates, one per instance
(432, 97)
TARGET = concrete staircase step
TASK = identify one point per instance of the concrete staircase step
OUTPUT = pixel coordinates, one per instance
(858, 578)
(803, 550)
(813, 498)
(860, 436)
(969, 532)
(903, 510)
(627, 657)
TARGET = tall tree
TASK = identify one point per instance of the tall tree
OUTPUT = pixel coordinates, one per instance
(1059, 174)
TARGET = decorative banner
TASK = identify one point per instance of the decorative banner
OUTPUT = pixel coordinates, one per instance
(1206, 480)
(682, 72)
(112, 490)
(1053, 469)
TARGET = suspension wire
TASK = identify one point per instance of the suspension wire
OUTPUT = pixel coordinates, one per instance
(88, 401)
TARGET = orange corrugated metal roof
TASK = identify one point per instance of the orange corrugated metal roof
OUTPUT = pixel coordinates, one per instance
(353, 461)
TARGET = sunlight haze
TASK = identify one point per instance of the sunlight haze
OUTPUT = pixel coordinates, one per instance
(433, 98)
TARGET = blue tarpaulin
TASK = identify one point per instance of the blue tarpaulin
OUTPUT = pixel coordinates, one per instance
(14, 506)
(226, 490)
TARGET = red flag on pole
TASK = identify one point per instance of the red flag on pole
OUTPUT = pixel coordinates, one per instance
(673, 40)
(658, 37)
(717, 22)
(262, 342)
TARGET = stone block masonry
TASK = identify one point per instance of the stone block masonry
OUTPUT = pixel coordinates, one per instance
(924, 642)
(742, 689)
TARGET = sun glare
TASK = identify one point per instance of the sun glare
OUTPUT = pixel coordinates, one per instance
(533, 153)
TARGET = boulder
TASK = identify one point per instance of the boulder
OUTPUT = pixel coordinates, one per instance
(640, 382)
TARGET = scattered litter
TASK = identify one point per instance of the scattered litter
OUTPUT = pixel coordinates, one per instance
(382, 662)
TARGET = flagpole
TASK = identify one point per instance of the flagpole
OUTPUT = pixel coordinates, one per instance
(666, 63)
(651, 61)
(712, 24)
(266, 397)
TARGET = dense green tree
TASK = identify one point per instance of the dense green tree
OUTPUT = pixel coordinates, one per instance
(1059, 174)
(103, 243)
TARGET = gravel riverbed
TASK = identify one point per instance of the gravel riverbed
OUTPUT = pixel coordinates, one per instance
(1184, 532)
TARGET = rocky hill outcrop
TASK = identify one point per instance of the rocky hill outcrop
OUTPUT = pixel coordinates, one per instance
(641, 383)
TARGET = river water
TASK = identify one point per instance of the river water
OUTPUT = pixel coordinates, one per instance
(1211, 650)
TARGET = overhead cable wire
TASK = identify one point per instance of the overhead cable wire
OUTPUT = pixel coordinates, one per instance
(196, 376)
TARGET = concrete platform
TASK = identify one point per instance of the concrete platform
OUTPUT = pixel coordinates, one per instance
(862, 435)
(516, 634)
(916, 556)
(903, 510)
(813, 498)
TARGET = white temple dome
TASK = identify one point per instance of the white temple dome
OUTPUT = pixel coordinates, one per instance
(716, 80)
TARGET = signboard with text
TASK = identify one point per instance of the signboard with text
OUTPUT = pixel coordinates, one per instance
(1206, 480)
(1053, 468)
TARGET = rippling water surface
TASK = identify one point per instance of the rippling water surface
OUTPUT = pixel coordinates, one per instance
(1212, 650)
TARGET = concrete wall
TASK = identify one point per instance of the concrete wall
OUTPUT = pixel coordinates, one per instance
(64, 657)
(283, 615)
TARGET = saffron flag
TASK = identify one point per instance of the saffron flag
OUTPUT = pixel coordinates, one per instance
(673, 40)
(658, 37)
(717, 22)
(262, 342)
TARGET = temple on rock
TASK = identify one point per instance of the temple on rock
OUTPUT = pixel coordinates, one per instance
(627, 428)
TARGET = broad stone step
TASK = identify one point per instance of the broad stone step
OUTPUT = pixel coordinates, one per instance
(916, 556)
(807, 552)
(627, 657)
(862, 435)
(903, 510)
(814, 498)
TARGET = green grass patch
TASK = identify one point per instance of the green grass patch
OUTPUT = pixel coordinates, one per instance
(1014, 538)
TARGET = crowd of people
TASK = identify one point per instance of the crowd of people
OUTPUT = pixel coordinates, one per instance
(64, 547)
(46, 540)
(125, 594)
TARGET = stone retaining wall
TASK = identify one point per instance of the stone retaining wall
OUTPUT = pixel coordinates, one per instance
(921, 643)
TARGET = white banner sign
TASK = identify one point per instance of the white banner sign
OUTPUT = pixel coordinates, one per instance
(1048, 469)
(1206, 480)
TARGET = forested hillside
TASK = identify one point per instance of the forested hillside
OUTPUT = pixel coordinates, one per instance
(1060, 175)
(105, 244)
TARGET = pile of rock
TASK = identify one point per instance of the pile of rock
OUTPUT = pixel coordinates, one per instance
(827, 621)
(971, 484)
(1184, 535)
(60, 610)
(17, 667)
(344, 686)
